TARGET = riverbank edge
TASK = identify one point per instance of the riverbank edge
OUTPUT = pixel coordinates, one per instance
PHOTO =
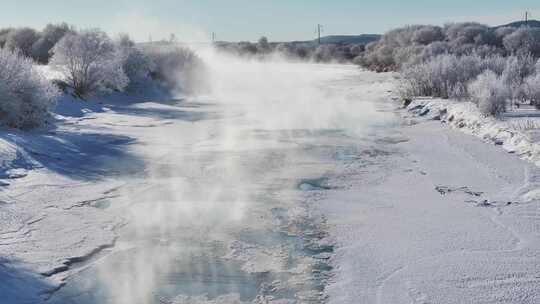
(465, 117)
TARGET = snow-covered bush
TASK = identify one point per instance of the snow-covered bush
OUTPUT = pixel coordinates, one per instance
(137, 65)
(434, 49)
(524, 40)
(427, 34)
(263, 46)
(176, 68)
(90, 61)
(490, 93)
(21, 39)
(502, 32)
(442, 62)
(401, 47)
(444, 76)
(325, 53)
(409, 55)
(4, 33)
(25, 95)
(51, 34)
(517, 68)
(459, 34)
(530, 90)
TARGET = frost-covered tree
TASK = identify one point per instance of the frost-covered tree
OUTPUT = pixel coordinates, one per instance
(434, 49)
(524, 40)
(427, 34)
(4, 33)
(263, 46)
(469, 33)
(517, 68)
(51, 34)
(176, 68)
(137, 65)
(25, 95)
(325, 53)
(90, 62)
(489, 93)
(446, 75)
(357, 50)
(531, 90)
(22, 39)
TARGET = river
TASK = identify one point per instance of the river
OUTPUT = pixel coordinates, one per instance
(223, 210)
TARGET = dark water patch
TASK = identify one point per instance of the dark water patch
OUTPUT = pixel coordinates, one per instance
(391, 140)
(375, 152)
(102, 204)
(80, 261)
(314, 184)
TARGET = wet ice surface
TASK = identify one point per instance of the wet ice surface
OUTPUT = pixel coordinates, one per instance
(223, 212)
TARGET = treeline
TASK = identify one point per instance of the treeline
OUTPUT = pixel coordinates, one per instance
(493, 67)
(304, 51)
(32, 43)
(90, 63)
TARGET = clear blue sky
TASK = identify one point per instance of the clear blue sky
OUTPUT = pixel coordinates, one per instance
(193, 20)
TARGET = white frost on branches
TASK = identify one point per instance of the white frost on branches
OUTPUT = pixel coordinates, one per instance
(25, 95)
(91, 63)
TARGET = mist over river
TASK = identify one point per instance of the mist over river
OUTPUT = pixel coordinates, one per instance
(223, 210)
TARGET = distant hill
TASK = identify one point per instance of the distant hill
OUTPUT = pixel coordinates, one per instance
(350, 39)
(531, 23)
(341, 39)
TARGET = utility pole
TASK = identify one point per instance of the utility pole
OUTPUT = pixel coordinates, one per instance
(526, 18)
(213, 37)
(319, 29)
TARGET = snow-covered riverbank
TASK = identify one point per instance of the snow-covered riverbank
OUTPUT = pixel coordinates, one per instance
(439, 217)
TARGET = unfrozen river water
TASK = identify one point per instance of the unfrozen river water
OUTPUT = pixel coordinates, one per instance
(223, 210)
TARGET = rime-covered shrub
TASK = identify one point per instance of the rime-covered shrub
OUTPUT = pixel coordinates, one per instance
(495, 63)
(457, 60)
(490, 93)
(401, 47)
(444, 76)
(90, 62)
(25, 95)
(51, 34)
(263, 46)
(469, 33)
(428, 34)
(263, 49)
(517, 68)
(325, 53)
(524, 40)
(176, 68)
(286, 50)
(531, 90)
(434, 49)
(137, 65)
(21, 39)
(409, 55)
(4, 33)
(502, 32)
